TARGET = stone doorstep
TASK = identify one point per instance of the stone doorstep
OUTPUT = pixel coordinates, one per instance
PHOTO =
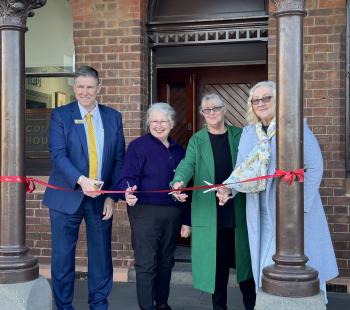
(181, 275)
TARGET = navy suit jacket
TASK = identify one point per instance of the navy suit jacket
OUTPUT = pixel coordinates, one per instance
(70, 159)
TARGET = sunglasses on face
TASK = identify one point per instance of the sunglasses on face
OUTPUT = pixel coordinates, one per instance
(265, 99)
(214, 110)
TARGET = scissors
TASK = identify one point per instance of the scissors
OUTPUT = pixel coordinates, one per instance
(173, 192)
(210, 189)
(131, 191)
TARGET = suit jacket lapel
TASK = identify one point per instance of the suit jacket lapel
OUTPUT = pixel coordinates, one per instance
(79, 128)
(106, 139)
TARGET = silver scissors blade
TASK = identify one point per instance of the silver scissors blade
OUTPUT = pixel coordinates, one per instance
(210, 189)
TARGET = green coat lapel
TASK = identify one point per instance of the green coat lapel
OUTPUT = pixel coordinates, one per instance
(233, 137)
(206, 153)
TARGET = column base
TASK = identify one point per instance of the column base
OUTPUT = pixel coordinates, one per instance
(32, 295)
(17, 269)
(271, 302)
(290, 281)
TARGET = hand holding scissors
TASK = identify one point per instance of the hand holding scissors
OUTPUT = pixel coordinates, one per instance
(223, 192)
(130, 198)
(177, 194)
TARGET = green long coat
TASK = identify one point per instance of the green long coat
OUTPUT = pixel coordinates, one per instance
(199, 164)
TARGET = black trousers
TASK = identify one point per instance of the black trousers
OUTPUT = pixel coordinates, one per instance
(153, 236)
(225, 249)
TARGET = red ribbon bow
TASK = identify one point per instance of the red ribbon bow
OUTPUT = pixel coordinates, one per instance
(290, 176)
(30, 185)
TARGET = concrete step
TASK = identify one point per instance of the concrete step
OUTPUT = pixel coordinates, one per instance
(182, 275)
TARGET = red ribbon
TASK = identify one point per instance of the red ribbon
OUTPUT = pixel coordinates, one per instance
(286, 176)
(29, 182)
(290, 176)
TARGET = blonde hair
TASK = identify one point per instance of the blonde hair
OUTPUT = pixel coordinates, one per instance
(251, 116)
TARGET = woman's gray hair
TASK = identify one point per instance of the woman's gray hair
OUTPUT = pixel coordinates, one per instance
(212, 96)
(162, 107)
(251, 116)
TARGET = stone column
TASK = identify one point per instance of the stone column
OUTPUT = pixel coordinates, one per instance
(289, 276)
(20, 284)
(16, 265)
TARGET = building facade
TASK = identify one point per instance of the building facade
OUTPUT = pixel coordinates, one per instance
(147, 51)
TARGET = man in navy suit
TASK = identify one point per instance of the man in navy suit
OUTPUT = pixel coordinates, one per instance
(77, 131)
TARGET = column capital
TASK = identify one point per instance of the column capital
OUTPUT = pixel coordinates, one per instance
(14, 13)
(289, 6)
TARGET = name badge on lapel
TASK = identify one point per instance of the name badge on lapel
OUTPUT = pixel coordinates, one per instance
(79, 121)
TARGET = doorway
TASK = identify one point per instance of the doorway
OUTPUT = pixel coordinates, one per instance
(196, 47)
(183, 89)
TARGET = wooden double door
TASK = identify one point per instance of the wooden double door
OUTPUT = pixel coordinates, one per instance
(184, 87)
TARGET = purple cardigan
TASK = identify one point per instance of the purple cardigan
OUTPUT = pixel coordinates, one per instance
(150, 165)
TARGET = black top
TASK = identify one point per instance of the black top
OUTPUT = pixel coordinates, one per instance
(223, 168)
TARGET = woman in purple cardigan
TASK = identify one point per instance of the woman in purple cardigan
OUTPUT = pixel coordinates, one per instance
(155, 218)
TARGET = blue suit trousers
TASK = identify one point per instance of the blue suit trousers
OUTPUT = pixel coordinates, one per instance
(65, 231)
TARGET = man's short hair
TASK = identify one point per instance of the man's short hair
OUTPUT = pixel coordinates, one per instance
(87, 71)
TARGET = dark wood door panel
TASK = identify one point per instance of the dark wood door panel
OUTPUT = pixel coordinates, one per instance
(235, 97)
(177, 88)
(178, 101)
(232, 84)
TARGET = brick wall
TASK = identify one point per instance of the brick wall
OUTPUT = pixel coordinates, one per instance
(324, 107)
(110, 36)
(38, 231)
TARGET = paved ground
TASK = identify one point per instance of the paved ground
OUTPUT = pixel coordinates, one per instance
(182, 297)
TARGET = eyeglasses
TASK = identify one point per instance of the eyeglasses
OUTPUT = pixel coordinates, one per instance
(265, 99)
(163, 123)
(214, 110)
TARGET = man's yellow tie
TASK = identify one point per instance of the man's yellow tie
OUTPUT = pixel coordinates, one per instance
(93, 160)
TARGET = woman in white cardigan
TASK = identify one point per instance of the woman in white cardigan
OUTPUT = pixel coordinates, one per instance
(257, 156)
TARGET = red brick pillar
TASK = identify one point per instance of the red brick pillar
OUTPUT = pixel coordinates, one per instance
(111, 36)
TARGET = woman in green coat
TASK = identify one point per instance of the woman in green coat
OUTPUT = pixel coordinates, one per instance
(219, 233)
